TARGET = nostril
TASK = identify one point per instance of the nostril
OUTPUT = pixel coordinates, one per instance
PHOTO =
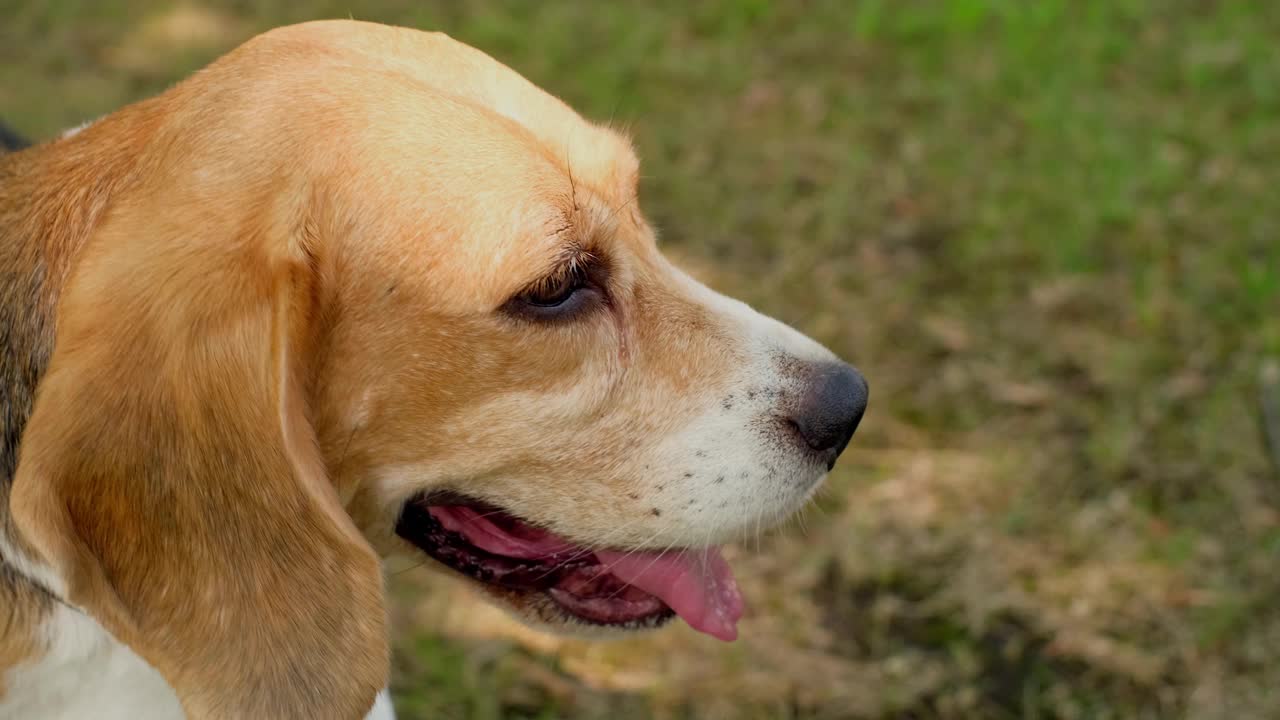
(831, 408)
(818, 435)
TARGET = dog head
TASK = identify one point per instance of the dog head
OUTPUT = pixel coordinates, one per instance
(367, 274)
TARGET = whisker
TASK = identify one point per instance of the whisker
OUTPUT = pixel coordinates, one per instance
(759, 518)
(619, 209)
(587, 550)
(342, 459)
(652, 562)
(639, 548)
(482, 516)
(411, 568)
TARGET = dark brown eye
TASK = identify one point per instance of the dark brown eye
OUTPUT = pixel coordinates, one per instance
(557, 290)
(560, 296)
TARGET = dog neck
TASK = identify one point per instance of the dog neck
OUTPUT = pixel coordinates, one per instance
(26, 315)
(51, 197)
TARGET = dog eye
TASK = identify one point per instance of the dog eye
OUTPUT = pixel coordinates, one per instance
(556, 291)
(557, 297)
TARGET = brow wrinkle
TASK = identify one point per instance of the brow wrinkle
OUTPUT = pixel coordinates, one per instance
(573, 187)
(568, 166)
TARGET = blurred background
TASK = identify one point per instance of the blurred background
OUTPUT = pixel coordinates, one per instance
(1045, 230)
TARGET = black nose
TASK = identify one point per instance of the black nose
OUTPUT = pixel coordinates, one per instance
(830, 409)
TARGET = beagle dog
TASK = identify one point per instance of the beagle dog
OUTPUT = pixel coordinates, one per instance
(350, 291)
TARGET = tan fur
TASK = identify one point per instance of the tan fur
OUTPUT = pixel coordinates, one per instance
(48, 203)
(168, 472)
(278, 290)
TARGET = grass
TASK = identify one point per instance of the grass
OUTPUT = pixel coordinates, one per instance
(1045, 230)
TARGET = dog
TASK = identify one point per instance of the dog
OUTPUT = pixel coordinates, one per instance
(348, 292)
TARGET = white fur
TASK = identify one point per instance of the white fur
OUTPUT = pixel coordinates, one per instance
(72, 132)
(382, 709)
(85, 674)
(728, 473)
(42, 574)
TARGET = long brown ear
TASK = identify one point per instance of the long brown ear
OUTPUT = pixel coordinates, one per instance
(170, 474)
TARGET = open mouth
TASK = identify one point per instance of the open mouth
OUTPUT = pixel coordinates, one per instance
(597, 586)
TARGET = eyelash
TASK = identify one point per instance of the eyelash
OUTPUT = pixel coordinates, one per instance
(553, 290)
(563, 295)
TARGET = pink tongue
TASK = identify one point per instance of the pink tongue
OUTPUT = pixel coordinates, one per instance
(698, 585)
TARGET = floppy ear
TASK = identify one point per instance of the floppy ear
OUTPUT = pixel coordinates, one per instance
(169, 472)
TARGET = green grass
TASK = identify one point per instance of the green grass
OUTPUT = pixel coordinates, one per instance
(1045, 231)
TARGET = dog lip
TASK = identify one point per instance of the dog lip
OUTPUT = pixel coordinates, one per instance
(425, 531)
(599, 586)
(573, 579)
(500, 533)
